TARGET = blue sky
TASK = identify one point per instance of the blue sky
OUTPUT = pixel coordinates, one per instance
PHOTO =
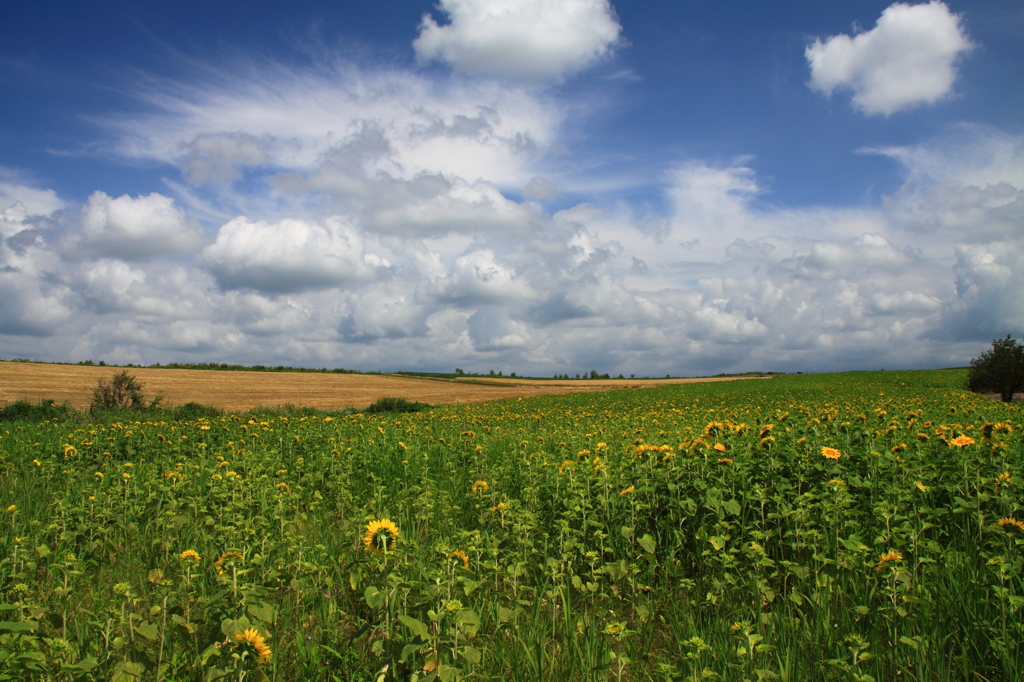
(546, 188)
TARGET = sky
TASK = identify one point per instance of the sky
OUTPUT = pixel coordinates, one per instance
(661, 187)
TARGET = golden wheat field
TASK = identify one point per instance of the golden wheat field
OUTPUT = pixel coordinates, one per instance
(245, 390)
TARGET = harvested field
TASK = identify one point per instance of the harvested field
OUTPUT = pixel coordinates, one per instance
(244, 390)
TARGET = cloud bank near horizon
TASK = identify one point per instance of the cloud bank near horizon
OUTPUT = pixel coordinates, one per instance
(341, 215)
(715, 285)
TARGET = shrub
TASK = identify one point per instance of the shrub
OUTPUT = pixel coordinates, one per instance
(23, 410)
(287, 410)
(122, 392)
(193, 411)
(394, 405)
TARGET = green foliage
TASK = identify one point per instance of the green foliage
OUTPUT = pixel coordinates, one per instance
(999, 369)
(387, 404)
(830, 527)
(192, 411)
(23, 410)
(224, 367)
(122, 392)
(294, 411)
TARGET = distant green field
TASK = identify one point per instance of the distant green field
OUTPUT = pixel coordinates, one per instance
(857, 526)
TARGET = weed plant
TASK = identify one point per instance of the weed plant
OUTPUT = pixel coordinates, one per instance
(389, 404)
(831, 527)
(44, 410)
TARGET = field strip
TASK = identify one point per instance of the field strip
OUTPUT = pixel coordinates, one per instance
(242, 390)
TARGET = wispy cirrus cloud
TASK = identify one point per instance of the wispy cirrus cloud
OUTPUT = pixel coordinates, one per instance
(338, 116)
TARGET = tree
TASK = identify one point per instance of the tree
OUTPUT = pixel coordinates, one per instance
(122, 392)
(1000, 369)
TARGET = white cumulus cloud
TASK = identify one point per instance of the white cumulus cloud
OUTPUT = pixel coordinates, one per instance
(135, 229)
(533, 40)
(908, 59)
(451, 207)
(32, 201)
(386, 311)
(289, 255)
(480, 278)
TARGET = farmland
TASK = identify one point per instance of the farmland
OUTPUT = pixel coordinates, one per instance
(862, 526)
(246, 390)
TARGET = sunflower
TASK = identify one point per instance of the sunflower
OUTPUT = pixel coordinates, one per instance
(1003, 478)
(830, 453)
(219, 563)
(921, 486)
(713, 429)
(720, 447)
(891, 555)
(961, 441)
(482, 487)
(1004, 523)
(190, 555)
(995, 427)
(380, 536)
(253, 638)
(628, 490)
(461, 556)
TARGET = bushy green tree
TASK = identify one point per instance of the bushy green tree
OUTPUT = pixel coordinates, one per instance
(122, 392)
(1000, 369)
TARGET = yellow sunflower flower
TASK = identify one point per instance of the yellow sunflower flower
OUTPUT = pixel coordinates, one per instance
(218, 565)
(891, 555)
(1019, 525)
(380, 536)
(190, 555)
(830, 453)
(259, 646)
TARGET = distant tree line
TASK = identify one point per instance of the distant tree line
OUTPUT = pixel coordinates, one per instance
(593, 375)
(220, 367)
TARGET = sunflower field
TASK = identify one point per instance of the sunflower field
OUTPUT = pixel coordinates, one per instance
(858, 526)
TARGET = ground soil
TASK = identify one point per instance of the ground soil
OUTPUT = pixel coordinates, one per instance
(1017, 397)
(244, 390)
